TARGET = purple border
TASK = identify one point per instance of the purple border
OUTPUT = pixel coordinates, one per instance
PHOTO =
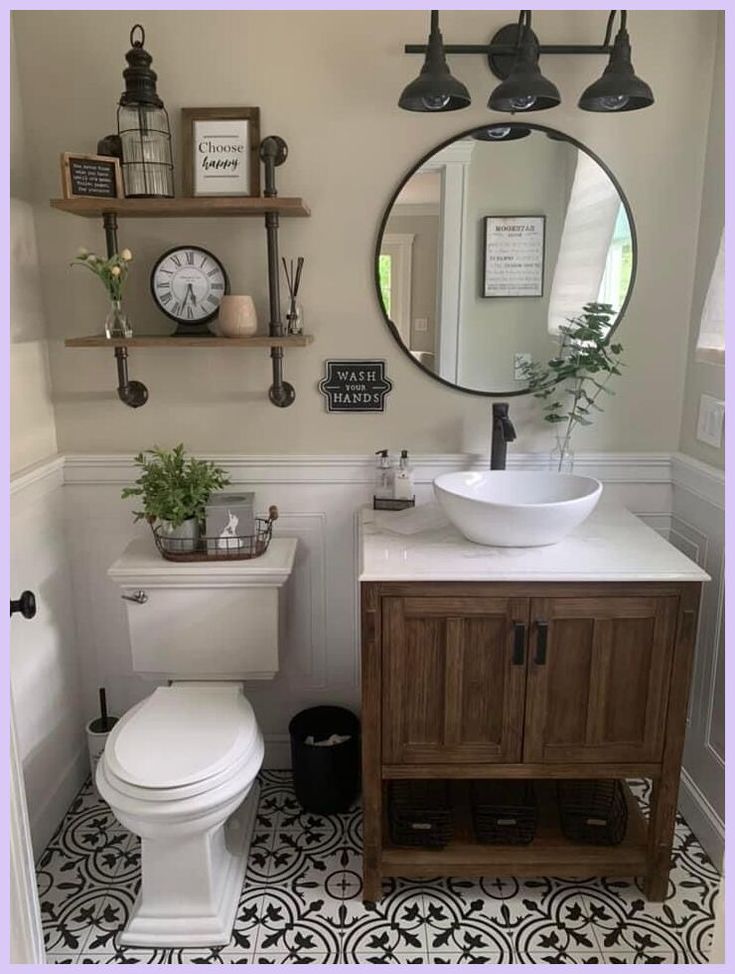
(4, 283)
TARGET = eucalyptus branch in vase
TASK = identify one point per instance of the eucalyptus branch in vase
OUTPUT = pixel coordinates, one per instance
(582, 368)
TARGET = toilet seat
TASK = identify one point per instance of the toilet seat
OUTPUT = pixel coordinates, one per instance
(183, 740)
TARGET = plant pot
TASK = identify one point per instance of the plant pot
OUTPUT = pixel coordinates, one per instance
(181, 538)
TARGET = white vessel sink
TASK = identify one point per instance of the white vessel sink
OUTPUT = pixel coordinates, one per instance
(516, 508)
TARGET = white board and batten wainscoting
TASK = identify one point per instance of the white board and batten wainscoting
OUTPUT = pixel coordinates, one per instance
(68, 524)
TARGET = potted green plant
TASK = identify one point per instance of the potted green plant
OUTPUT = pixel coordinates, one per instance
(583, 366)
(174, 490)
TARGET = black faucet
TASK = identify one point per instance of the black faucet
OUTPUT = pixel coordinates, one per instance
(503, 433)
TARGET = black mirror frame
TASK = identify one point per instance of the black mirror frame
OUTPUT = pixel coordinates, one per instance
(561, 136)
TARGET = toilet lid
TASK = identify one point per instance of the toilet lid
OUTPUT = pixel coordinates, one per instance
(182, 735)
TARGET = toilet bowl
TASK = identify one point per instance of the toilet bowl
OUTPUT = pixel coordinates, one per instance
(179, 768)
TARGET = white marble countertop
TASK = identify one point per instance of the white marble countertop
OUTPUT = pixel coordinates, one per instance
(612, 545)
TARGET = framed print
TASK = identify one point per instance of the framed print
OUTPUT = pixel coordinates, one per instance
(220, 147)
(514, 257)
(95, 176)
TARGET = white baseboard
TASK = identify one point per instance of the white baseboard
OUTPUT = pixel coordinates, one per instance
(45, 819)
(702, 819)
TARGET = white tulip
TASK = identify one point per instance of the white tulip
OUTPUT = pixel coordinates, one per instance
(115, 272)
(82, 253)
(126, 254)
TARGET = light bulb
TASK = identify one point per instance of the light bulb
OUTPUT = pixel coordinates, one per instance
(613, 103)
(498, 133)
(435, 103)
(522, 103)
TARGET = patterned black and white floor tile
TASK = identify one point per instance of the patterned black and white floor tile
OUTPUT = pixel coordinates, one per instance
(301, 902)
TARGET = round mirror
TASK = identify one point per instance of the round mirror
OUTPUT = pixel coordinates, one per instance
(495, 239)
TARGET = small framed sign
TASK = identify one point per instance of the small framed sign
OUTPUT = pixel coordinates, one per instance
(514, 256)
(355, 385)
(96, 176)
(220, 147)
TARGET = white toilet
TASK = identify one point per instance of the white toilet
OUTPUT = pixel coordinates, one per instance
(179, 768)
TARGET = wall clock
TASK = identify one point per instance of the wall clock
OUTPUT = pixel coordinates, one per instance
(187, 284)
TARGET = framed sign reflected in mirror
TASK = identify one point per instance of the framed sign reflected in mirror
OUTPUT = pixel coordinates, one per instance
(514, 257)
(493, 240)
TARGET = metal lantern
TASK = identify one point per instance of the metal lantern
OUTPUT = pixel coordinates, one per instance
(143, 128)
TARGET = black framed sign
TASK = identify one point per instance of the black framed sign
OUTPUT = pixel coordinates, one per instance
(355, 385)
(514, 256)
(86, 175)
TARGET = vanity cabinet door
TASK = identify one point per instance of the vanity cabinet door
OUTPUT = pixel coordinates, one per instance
(454, 674)
(598, 679)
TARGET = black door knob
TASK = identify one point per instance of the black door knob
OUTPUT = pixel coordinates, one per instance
(26, 605)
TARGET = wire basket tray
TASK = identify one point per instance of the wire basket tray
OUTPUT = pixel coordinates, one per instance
(215, 548)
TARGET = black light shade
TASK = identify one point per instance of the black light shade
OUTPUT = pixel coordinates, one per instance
(619, 89)
(500, 133)
(525, 89)
(435, 90)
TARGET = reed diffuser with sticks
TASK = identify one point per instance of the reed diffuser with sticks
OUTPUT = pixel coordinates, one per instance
(295, 314)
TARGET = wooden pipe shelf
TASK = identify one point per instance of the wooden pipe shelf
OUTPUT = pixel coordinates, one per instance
(273, 152)
(193, 341)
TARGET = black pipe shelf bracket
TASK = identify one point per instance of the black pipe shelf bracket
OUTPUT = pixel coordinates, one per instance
(273, 153)
(130, 391)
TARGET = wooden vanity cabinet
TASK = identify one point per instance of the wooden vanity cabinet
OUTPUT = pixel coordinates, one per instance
(465, 680)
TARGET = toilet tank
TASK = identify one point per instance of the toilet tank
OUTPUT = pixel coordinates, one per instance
(201, 620)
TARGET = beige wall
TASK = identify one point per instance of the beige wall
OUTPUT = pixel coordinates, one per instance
(32, 429)
(328, 82)
(703, 377)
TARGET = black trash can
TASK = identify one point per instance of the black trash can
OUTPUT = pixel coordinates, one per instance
(326, 778)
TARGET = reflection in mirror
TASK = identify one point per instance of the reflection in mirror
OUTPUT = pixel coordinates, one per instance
(491, 243)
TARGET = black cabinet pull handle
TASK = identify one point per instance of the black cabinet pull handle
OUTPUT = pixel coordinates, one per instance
(542, 633)
(519, 643)
(26, 605)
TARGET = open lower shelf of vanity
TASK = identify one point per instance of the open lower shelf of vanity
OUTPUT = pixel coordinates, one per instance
(550, 853)
(193, 341)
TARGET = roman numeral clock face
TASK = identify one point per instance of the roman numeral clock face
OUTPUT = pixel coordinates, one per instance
(188, 284)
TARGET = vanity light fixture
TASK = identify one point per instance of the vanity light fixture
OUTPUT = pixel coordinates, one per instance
(512, 55)
(525, 89)
(435, 90)
(619, 89)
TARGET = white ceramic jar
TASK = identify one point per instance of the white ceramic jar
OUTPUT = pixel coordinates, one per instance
(237, 316)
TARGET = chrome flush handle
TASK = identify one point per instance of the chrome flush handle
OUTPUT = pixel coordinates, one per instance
(140, 597)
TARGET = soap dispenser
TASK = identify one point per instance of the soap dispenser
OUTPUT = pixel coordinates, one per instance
(403, 482)
(383, 476)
